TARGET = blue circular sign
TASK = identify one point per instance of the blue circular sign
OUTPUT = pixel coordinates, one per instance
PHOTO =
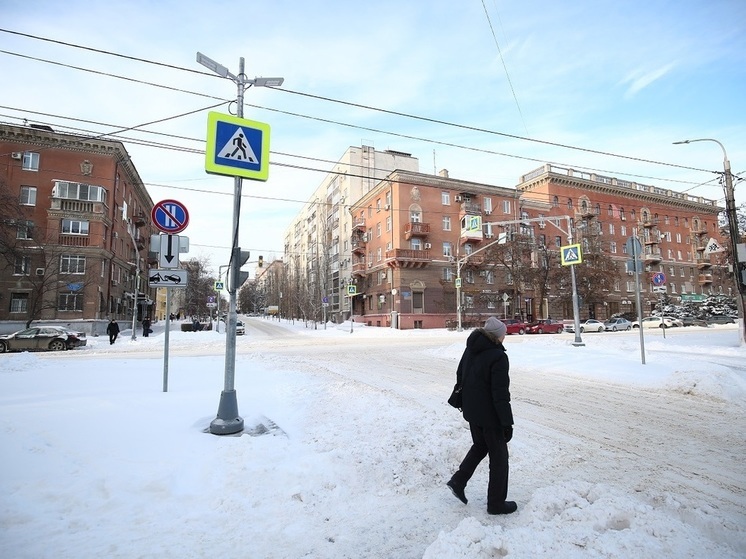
(170, 216)
(659, 278)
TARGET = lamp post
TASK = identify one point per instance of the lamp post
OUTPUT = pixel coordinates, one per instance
(137, 284)
(730, 210)
(228, 421)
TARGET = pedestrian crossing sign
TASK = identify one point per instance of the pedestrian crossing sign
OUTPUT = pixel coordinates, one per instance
(237, 147)
(571, 255)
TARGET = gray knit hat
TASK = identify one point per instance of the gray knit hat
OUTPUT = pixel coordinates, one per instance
(495, 327)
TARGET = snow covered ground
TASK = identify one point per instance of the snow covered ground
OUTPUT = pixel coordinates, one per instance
(611, 458)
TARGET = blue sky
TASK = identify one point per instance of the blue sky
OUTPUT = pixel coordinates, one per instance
(627, 78)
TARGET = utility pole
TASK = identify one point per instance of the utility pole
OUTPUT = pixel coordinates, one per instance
(730, 211)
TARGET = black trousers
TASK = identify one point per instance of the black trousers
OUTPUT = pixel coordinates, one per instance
(486, 442)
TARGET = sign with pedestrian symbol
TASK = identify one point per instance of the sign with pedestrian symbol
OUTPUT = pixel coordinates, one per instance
(237, 147)
(351, 290)
(571, 255)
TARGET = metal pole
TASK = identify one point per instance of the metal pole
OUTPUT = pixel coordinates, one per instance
(228, 421)
(730, 211)
(637, 297)
(137, 292)
(166, 339)
(578, 341)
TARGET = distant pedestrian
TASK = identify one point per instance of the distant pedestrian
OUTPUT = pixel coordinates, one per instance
(146, 327)
(483, 377)
(113, 330)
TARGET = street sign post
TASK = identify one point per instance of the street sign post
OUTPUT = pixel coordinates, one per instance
(167, 278)
(237, 147)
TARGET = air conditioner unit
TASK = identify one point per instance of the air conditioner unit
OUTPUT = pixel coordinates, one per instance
(387, 207)
(487, 212)
(458, 198)
(116, 235)
(428, 245)
(630, 273)
(489, 236)
(114, 282)
(624, 218)
(40, 271)
(483, 273)
(16, 155)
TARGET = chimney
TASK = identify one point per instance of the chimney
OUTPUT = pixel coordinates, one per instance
(443, 173)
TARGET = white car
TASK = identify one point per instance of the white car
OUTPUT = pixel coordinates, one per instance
(240, 328)
(590, 325)
(654, 322)
(675, 322)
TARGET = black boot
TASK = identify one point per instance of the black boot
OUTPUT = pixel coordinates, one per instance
(457, 491)
(507, 507)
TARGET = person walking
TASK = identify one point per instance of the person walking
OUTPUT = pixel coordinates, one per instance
(113, 330)
(483, 375)
(146, 327)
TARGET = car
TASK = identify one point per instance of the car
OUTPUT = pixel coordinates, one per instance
(515, 326)
(616, 324)
(545, 326)
(675, 322)
(720, 320)
(654, 322)
(42, 338)
(590, 325)
(240, 328)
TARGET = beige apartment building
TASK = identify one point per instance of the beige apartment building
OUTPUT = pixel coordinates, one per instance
(317, 243)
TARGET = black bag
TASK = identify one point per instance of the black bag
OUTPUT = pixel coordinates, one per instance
(455, 399)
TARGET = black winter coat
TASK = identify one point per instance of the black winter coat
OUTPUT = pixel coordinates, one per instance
(485, 385)
(112, 328)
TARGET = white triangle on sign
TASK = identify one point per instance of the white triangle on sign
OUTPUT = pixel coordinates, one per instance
(571, 255)
(238, 148)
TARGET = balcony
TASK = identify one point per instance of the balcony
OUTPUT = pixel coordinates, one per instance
(407, 258)
(705, 279)
(358, 247)
(77, 206)
(652, 257)
(359, 225)
(703, 262)
(416, 229)
(474, 261)
(74, 240)
(649, 222)
(140, 219)
(359, 269)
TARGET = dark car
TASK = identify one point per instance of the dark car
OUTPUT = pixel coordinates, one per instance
(42, 338)
(720, 320)
(515, 326)
(545, 326)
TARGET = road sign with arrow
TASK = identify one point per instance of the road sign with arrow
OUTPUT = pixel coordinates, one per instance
(168, 255)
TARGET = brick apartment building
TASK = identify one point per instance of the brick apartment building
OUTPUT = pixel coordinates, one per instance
(411, 232)
(75, 225)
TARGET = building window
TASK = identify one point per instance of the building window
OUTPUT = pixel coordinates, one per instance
(447, 274)
(18, 302)
(506, 206)
(378, 254)
(490, 304)
(446, 223)
(469, 276)
(569, 203)
(415, 216)
(378, 229)
(24, 229)
(22, 266)
(445, 198)
(80, 191)
(612, 247)
(72, 264)
(447, 249)
(388, 223)
(488, 205)
(74, 227)
(469, 301)
(555, 202)
(28, 195)
(558, 241)
(489, 277)
(415, 244)
(70, 302)
(611, 228)
(30, 161)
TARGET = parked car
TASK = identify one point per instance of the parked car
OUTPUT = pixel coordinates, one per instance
(240, 328)
(675, 322)
(515, 326)
(42, 338)
(653, 322)
(720, 320)
(590, 325)
(616, 324)
(545, 326)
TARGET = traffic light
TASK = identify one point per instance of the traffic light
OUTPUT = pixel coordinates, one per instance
(237, 276)
(261, 261)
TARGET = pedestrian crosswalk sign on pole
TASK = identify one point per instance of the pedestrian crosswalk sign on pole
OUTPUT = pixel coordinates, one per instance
(237, 147)
(571, 255)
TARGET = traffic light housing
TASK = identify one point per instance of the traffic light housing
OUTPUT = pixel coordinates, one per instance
(240, 257)
(261, 261)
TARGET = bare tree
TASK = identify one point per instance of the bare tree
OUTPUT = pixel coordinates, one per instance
(200, 286)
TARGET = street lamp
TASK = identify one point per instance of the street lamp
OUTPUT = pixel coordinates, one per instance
(137, 284)
(730, 210)
(228, 421)
(220, 276)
